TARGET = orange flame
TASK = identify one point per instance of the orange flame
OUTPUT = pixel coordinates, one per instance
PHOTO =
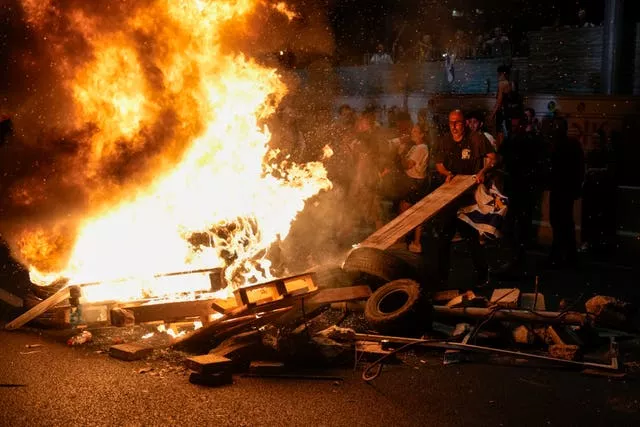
(167, 57)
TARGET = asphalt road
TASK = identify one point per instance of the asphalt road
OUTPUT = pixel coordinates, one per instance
(60, 385)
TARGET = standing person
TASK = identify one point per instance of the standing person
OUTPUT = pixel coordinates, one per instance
(598, 197)
(522, 158)
(567, 175)
(415, 161)
(461, 153)
(475, 123)
(360, 180)
(380, 57)
(346, 117)
(508, 105)
(533, 125)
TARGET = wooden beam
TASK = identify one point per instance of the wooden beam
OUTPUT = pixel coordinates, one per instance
(37, 310)
(422, 211)
(208, 364)
(169, 311)
(130, 351)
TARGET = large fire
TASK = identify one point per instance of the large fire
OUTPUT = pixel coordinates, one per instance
(226, 188)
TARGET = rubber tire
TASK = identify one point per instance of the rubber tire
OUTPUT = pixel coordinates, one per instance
(332, 277)
(377, 267)
(412, 318)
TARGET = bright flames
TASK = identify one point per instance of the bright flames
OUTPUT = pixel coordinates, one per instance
(224, 188)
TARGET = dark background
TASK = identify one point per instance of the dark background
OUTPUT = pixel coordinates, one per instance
(359, 25)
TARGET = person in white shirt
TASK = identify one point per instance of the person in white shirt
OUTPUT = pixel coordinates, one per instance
(380, 57)
(415, 161)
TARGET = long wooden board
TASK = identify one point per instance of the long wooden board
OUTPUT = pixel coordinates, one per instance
(37, 310)
(417, 214)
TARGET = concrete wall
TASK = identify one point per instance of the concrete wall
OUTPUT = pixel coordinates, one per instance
(564, 61)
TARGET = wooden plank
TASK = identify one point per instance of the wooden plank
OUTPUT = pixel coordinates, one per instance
(61, 295)
(169, 311)
(422, 211)
(508, 297)
(11, 299)
(208, 364)
(274, 289)
(131, 351)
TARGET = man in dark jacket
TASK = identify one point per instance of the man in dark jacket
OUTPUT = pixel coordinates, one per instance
(522, 158)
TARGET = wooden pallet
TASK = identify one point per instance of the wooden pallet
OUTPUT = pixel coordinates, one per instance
(275, 289)
(422, 211)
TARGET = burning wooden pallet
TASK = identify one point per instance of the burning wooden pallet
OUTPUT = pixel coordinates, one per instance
(262, 297)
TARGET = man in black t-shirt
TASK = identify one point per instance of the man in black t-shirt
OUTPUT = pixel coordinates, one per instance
(462, 153)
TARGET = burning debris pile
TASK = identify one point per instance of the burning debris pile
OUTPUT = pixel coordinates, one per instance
(330, 316)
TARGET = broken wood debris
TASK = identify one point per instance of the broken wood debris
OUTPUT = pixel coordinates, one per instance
(284, 306)
(508, 298)
(208, 364)
(58, 297)
(130, 352)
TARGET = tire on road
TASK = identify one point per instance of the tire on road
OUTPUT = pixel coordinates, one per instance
(376, 267)
(399, 308)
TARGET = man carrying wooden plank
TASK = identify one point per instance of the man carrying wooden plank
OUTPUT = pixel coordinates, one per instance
(461, 153)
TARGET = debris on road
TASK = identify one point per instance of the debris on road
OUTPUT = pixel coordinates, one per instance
(129, 352)
(371, 309)
(82, 338)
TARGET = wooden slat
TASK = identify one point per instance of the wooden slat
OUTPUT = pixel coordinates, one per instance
(170, 311)
(425, 209)
(37, 310)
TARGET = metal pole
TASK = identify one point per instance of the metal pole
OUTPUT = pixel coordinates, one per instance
(612, 46)
(614, 366)
(546, 317)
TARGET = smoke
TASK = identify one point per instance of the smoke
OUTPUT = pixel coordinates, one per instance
(56, 171)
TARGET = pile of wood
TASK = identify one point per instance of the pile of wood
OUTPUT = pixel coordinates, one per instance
(259, 326)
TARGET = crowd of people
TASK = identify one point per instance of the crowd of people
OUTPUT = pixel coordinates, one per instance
(381, 170)
(494, 44)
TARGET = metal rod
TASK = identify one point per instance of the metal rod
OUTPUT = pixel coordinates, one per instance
(547, 317)
(470, 347)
